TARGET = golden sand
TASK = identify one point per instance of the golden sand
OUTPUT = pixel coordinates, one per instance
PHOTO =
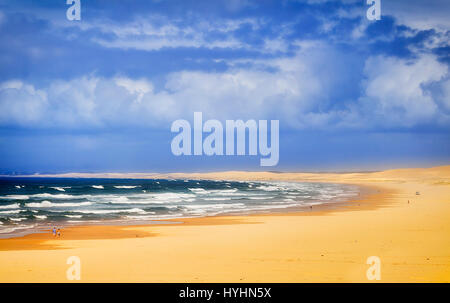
(411, 239)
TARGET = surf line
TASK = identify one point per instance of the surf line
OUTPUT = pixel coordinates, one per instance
(213, 144)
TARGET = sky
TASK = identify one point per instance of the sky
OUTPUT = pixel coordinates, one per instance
(100, 94)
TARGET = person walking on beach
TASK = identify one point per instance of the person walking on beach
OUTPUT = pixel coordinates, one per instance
(54, 231)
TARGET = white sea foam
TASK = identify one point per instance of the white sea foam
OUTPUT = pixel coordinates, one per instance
(17, 219)
(219, 199)
(269, 188)
(10, 206)
(197, 200)
(60, 188)
(8, 230)
(126, 186)
(215, 206)
(7, 212)
(73, 216)
(15, 197)
(198, 190)
(56, 196)
(259, 198)
(142, 217)
(225, 192)
(45, 204)
(111, 211)
(170, 197)
(144, 198)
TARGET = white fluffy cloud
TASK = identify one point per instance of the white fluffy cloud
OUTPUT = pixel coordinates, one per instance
(297, 90)
(399, 90)
(292, 86)
(21, 104)
(419, 14)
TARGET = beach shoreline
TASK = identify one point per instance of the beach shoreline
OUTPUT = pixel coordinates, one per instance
(326, 245)
(154, 201)
(43, 233)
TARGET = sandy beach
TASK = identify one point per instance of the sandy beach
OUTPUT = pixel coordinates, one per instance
(412, 239)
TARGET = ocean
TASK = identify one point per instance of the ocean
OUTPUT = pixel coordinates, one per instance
(32, 204)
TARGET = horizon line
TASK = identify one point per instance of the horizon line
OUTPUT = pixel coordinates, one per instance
(154, 175)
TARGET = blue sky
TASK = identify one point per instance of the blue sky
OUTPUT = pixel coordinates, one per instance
(100, 94)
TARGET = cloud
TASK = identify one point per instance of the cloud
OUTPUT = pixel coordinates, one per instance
(21, 104)
(290, 86)
(419, 14)
(302, 94)
(399, 91)
(157, 32)
(306, 82)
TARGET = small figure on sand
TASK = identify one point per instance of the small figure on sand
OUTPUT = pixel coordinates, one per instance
(54, 231)
(59, 233)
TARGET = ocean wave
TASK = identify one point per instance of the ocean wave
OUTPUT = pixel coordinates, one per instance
(144, 198)
(215, 206)
(17, 219)
(10, 206)
(170, 197)
(53, 196)
(259, 198)
(142, 217)
(111, 211)
(270, 188)
(125, 200)
(60, 188)
(73, 216)
(8, 212)
(10, 230)
(15, 197)
(218, 192)
(219, 199)
(126, 186)
(50, 204)
(172, 200)
(198, 190)
(225, 192)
